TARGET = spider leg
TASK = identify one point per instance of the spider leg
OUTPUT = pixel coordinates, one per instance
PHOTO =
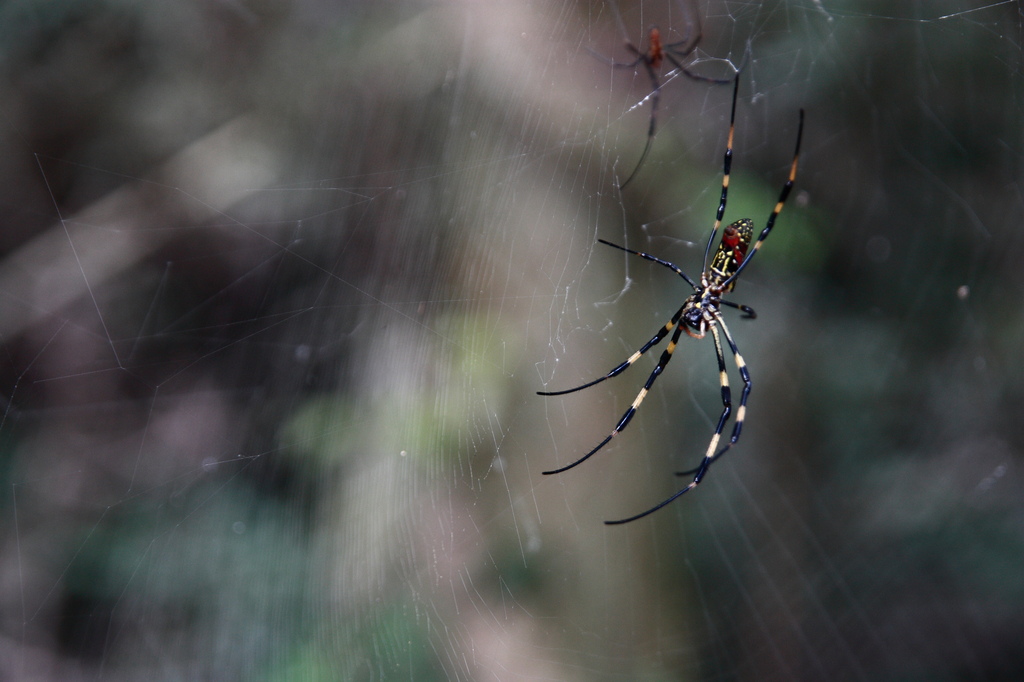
(783, 195)
(619, 65)
(662, 333)
(682, 48)
(712, 453)
(652, 126)
(647, 147)
(655, 96)
(723, 378)
(672, 56)
(666, 355)
(701, 470)
(748, 312)
(741, 411)
(727, 164)
(691, 38)
(671, 266)
(656, 339)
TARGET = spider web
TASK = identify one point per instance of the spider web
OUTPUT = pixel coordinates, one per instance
(280, 286)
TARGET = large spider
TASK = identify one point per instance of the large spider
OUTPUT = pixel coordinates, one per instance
(701, 313)
(651, 60)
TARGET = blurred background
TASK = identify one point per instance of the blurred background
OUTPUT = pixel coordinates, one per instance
(279, 282)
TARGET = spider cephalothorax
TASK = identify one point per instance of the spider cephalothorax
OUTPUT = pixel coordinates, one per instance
(698, 312)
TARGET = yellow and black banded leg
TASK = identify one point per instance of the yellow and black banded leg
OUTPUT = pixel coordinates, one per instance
(727, 169)
(656, 339)
(741, 411)
(666, 355)
(723, 379)
(711, 454)
(783, 195)
(741, 367)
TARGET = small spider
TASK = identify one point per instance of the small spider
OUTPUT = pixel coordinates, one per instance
(701, 313)
(651, 60)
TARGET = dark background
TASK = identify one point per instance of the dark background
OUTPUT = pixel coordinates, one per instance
(279, 282)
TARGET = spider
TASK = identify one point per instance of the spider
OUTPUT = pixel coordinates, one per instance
(651, 61)
(699, 314)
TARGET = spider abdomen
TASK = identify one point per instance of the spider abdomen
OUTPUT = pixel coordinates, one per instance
(655, 53)
(732, 251)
